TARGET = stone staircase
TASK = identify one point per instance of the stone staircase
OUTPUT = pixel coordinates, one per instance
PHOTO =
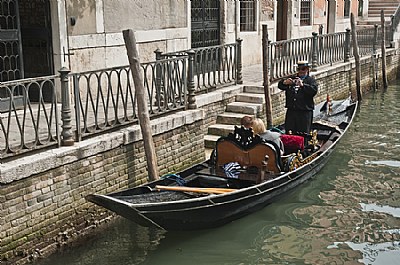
(249, 102)
(389, 7)
(374, 11)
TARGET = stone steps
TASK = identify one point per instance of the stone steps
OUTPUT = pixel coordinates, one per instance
(389, 7)
(220, 129)
(251, 98)
(249, 102)
(210, 140)
(243, 107)
(229, 118)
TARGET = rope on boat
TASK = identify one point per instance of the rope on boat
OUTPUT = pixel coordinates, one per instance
(175, 177)
(276, 129)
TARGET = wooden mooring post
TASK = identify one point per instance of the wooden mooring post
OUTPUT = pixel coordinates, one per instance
(374, 59)
(267, 92)
(356, 57)
(143, 112)
(383, 47)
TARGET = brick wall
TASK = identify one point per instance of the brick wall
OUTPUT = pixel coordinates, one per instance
(41, 213)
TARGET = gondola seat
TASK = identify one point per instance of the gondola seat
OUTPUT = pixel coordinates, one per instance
(247, 150)
(292, 143)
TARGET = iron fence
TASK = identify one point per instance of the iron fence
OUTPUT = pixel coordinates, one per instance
(105, 99)
(214, 66)
(394, 23)
(320, 50)
(285, 54)
(367, 41)
(330, 48)
(29, 119)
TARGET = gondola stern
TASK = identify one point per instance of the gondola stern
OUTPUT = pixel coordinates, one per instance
(121, 208)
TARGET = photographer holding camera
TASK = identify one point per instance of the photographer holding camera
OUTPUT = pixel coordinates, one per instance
(299, 91)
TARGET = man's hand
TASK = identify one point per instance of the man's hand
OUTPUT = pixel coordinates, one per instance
(288, 81)
(299, 82)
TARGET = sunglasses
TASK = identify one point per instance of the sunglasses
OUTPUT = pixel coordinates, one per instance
(302, 68)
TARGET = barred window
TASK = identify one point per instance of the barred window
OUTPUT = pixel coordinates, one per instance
(247, 15)
(305, 12)
(346, 8)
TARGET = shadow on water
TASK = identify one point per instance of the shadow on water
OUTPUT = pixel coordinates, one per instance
(347, 214)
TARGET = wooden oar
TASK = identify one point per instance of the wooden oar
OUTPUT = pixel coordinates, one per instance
(194, 189)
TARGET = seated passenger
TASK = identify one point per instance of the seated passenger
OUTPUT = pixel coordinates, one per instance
(259, 128)
(246, 121)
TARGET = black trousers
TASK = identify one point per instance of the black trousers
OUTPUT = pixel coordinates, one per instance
(298, 121)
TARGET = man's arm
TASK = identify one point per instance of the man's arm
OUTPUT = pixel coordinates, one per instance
(285, 83)
(310, 86)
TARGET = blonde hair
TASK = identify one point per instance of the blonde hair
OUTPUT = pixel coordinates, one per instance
(258, 126)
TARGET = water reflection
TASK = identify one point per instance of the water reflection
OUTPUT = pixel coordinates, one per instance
(382, 253)
(372, 207)
(385, 163)
(348, 213)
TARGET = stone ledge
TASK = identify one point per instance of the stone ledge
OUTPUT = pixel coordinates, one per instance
(44, 161)
(116, 39)
(218, 95)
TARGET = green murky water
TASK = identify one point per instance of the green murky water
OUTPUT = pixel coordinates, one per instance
(347, 214)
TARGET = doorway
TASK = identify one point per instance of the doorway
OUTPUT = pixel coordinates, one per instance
(331, 16)
(282, 18)
(205, 23)
(36, 37)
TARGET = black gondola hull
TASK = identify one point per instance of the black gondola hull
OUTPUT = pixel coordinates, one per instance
(213, 210)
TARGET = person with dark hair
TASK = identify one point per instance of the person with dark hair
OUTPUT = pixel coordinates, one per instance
(300, 90)
(246, 121)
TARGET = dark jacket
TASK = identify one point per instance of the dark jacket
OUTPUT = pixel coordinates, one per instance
(303, 98)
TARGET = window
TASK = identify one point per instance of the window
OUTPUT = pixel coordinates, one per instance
(305, 12)
(346, 8)
(247, 15)
(360, 8)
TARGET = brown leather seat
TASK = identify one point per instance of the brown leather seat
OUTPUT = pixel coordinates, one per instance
(227, 151)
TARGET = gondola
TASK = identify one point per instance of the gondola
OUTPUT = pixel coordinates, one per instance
(244, 174)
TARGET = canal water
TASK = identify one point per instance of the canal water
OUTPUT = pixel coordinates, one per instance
(347, 214)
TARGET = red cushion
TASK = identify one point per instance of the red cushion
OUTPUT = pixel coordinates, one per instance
(292, 143)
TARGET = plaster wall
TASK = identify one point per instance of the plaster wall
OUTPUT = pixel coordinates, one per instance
(144, 15)
(251, 54)
(96, 40)
(84, 14)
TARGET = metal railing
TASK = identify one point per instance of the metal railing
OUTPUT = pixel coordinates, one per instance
(320, 50)
(214, 66)
(30, 116)
(285, 54)
(105, 99)
(330, 48)
(394, 23)
(102, 100)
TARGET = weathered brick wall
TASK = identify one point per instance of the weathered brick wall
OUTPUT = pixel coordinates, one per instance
(47, 210)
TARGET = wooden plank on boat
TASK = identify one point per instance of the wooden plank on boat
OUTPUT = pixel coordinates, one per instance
(194, 189)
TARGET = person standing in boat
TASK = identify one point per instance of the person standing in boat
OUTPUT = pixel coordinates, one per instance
(300, 90)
